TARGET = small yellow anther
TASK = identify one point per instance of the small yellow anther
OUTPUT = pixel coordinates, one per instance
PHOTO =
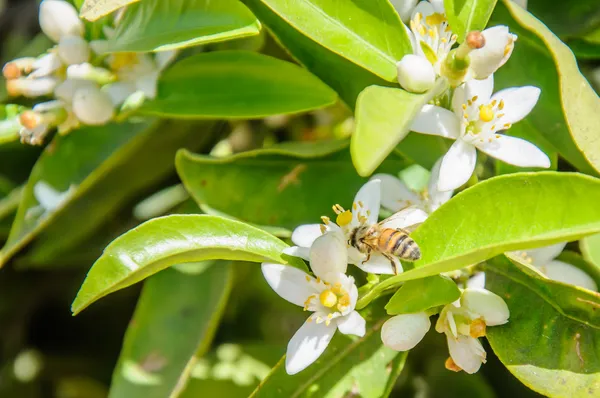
(477, 328)
(326, 220)
(451, 365)
(486, 114)
(501, 105)
(344, 218)
(434, 19)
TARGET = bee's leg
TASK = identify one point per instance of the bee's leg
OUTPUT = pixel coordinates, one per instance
(368, 256)
(393, 261)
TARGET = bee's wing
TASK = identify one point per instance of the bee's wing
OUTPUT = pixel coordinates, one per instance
(406, 220)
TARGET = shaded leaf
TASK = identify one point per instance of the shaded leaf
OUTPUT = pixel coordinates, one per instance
(422, 294)
(572, 18)
(162, 242)
(590, 248)
(174, 322)
(160, 25)
(236, 84)
(550, 342)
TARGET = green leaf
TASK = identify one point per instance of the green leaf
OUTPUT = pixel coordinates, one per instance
(162, 242)
(236, 84)
(566, 114)
(366, 32)
(465, 16)
(93, 10)
(87, 167)
(422, 294)
(345, 77)
(590, 248)
(383, 119)
(567, 18)
(505, 213)
(160, 25)
(283, 186)
(347, 366)
(175, 320)
(550, 341)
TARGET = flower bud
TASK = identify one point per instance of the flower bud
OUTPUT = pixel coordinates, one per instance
(86, 71)
(404, 332)
(46, 65)
(15, 69)
(415, 73)
(66, 90)
(73, 50)
(92, 106)
(499, 43)
(59, 18)
(567, 273)
(31, 87)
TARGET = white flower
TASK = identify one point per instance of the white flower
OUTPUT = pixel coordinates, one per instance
(92, 106)
(544, 258)
(365, 211)
(73, 50)
(415, 73)
(331, 297)
(476, 119)
(31, 87)
(463, 322)
(396, 196)
(499, 44)
(59, 18)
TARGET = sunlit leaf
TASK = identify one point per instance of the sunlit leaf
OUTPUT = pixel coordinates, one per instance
(96, 9)
(162, 242)
(465, 16)
(422, 294)
(590, 248)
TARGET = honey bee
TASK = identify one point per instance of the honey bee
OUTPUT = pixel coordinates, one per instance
(389, 242)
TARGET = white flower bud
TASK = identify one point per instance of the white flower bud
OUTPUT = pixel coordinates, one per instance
(15, 68)
(73, 50)
(66, 90)
(404, 332)
(59, 18)
(46, 65)
(404, 8)
(31, 87)
(499, 44)
(92, 106)
(567, 273)
(415, 73)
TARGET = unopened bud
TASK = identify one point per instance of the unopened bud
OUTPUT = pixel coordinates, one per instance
(30, 87)
(475, 40)
(11, 71)
(30, 119)
(46, 65)
(15, 69)
(92, 106)
(415, 73)
(59, 18)
(73, 50)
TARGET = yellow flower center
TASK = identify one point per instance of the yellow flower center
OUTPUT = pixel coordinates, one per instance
(121, 60)
(344, 218)
(486, 113)
(328, 298)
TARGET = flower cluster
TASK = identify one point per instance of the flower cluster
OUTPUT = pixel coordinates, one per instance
(86, 87)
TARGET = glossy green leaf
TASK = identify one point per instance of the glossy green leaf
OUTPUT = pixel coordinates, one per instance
(584, 50)
(162, 242)
(567, 18)
(383, 118)
(366, 32)
(590, 248)
(505, 213)
(236, 84)
(283, 186)
(422, 294)
(92, 182)
(550, 341)
(175, 320)
(465, 16)
(96, 9)
(566, 114)
(346, 78)
(347, 366)
(160, 25)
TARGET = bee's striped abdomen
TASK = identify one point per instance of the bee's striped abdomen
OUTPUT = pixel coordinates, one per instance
(399, 244)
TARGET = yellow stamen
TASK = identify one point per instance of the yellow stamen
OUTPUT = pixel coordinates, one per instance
(344, 218)
(120, 60)
(501, 105)
(326, 220)
(486, 114)
(435, 19)
(477, 328)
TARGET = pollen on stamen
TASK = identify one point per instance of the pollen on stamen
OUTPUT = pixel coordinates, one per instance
(323, 229)
(464, 106)
(474, 98)
(326, 220)
(507, 125)
(493, 103)
(354, 206)
(501, 105)
(360, 203)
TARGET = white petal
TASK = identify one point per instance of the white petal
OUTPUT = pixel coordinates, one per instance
(147, 84)
(48, 197)
(59, 18)
(457, 166)
(434, 120)
(482, 89)
(515, 151)
(518, 102)
(164, 58)
(288, 282)
(405, 218)
(73, 50)
(307, 345)
(438, 6)
(119, 91)
(499, 43)
(485, 304)
(297, 251)
(395, 195)
(425, 8)
(415, 73)
(567, 273)
(378, 264)
(92, 106)
(99, 46)
(305, 235)
(45, 65)
(458, 99)
(404, 8)
(477, 281)
(369, 195)
(329, 254)
(66, 90)
(437, 197)
(466, 352)
(543, 255)
(352, 323)
(404, 332)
